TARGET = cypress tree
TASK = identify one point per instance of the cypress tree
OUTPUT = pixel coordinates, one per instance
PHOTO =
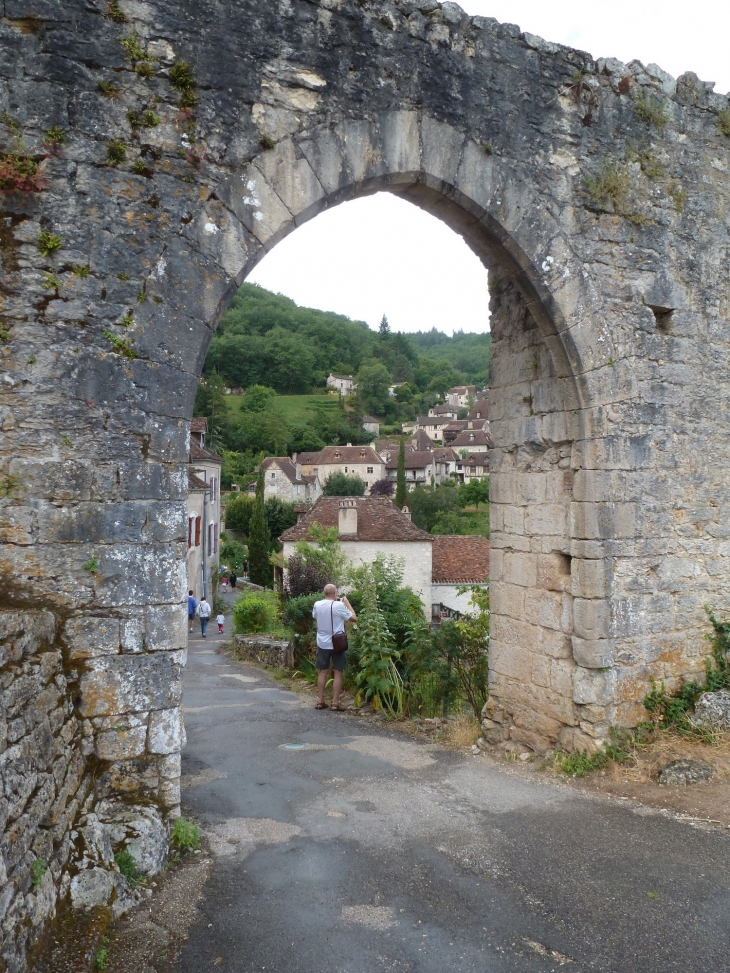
(400, 483)
(259, 569)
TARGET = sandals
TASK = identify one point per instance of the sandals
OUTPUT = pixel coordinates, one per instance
(321, 706)
(337, 709)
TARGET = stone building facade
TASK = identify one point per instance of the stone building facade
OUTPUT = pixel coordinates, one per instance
(609, 390)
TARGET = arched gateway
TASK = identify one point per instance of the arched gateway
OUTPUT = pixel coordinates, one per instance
(597, 195)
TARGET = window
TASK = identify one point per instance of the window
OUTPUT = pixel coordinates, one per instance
(213, 487)
(370, 469)
(215, 538)
(299, 489)
(211, 538)
(345, 469)
(197, 531)
(273, 476)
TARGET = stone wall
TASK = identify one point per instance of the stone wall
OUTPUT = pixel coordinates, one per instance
(265, 649)
(612, 328)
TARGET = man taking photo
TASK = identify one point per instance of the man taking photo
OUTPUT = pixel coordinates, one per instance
(330, 615)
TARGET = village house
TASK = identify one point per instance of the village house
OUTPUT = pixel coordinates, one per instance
(479, 414)
(445, 461)
(453, 429)
(360, 461)
(343, 384)
(432, 426)
(474, 466)
(283, 478)
(418, 467)
(443, 411)
(456, 560)
(462, 396)
(203, 512)
(371, 424)
(367, 527)
(473, 440)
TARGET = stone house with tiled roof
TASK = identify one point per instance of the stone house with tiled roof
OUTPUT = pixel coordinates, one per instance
(456, 560)
(473, 440)
(461, 396)
(203, 511)
(454, 429)
(418, 464)
(284, 478)
(360, 461)
(368, 526)
(432, 425)
(344, 384)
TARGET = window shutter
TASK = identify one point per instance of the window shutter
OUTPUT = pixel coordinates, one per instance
(197, 531)
(190, 531)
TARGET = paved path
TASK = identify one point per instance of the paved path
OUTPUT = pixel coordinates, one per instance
(342, 848)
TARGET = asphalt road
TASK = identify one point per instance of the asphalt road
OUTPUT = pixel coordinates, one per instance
(343, 848)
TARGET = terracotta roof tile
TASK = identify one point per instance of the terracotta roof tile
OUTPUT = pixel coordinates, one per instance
(378, 519)
(203, 454)
(422, 440)
(472, 437)
(308, 459)
(288, 468)
(199, 425)
(195, 483)
(335, 455)
(460, 559)
(416, 459)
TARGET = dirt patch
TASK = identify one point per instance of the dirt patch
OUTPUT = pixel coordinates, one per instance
(150, 937)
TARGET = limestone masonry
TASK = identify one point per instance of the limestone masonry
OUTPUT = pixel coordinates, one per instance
(182, 142)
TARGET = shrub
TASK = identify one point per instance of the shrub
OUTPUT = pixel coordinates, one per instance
(257, 612)
(611, 185)
(723, 121)
(20, 174)
(343, 485)
(651, 110)
(181, 77)
(132, 46)
(185, 835)
(305, 576)
(37, 870)
(382, 488)
(298, 612)
(238, 513)
(233, 553)
(116, 152)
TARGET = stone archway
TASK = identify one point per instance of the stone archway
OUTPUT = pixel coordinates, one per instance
(213, 134)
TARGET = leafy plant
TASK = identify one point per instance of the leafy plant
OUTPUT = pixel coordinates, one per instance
(678, 194)
(132, 46)
(126, 864)
(185, 835)
(127, 321)
(144, 69)
(610, 185)
(20, 174)
(257, 612)
(188, 100)
(121, 345)
(267, 143)
(10, 484)
(56, 135)
(377, 677)
(123, 275)
(651, 110)
(92, 565)
(12, 124)
(723, 121)
(4, 334)
(341, 484)
(48, 243)
(140, 167)
(116, 152)
(181, 76)
(50, 282)
(30, 360)
(114, 12)
(488, 149)
(101, 960)
(80, 270)
(108, 88)
(618, 749)
(141, 298)
(37, 870)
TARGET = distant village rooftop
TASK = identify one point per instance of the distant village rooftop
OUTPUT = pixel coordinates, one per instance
(377, 519)
(460, 559)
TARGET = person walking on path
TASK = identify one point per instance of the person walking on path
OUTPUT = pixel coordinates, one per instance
(220, 620)
(234, 579)
(330, 614)
(192, 608)
(204, 613)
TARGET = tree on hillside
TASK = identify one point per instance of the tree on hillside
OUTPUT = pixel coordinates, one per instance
(384, 329)
(238, 514)
(279, 516)
(426, 505)
(259, 569)
(257, 398)
(373, 384)
(344, 485)
(474, 492)
(400, 489)
(210, 403)
(382, 488)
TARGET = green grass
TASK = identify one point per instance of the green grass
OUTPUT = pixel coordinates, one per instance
(185, 835)
(291, 408)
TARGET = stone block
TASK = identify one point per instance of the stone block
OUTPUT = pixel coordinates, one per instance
(506, 599)
(574, 740)
(591, 618)
(129, 684)
(591, 578)
(593, 686)
(520, 569)
(544, 608)
(593, 653)
(126, 739)
(547, 518)
(562, 672)
(166, 732)
(554, 571)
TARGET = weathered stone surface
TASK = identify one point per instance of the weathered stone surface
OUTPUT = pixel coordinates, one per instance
(603, 313)
(713, 710)
(92, 887)
(681, 772)
(261, 648)
(140, 830)
(166, 732)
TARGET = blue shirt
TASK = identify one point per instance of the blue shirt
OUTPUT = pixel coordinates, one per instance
(192, 605)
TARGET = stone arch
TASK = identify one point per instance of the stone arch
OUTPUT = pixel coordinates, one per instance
(611, 308)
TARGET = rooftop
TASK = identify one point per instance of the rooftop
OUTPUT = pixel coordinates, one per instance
(200, 454)
(473, 437)
(195, 483)
(288, 469)
(460, 559)
(378, 519)
(199, 425)
(348, 454)
(415, 459)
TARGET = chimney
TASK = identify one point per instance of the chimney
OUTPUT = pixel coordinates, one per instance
(407, 512)
(299, 469)
(347, 522)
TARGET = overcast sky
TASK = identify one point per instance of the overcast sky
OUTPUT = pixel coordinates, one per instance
(379, 255)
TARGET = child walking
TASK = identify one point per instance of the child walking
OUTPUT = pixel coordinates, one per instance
(221, 619)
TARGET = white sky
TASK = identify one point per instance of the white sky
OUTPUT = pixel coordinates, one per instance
(380, 255)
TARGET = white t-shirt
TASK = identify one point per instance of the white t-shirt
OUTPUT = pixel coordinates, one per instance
(326, 614)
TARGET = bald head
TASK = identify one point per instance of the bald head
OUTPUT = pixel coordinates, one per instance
(330, 591)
